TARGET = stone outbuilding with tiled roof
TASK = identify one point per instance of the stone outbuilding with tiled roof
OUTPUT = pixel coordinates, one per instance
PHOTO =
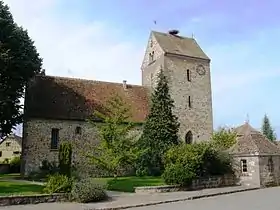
(56, 108)
(257, 157)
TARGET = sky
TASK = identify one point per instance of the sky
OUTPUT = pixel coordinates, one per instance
(105, 40)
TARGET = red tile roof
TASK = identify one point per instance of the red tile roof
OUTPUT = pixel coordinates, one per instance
(62, 98)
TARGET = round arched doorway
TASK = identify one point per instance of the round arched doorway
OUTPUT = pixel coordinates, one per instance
(189, 137)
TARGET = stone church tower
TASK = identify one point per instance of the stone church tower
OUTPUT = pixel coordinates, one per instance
(187, 68)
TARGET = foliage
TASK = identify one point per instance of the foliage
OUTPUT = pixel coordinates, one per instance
(223, 138)
(160, 130)
(87, 190)
(19, 62)
(46, 168)
(6, 161)
(58, 183)
(15, 165)
(117, 148)
(65, 158)
(267, 129)
(184, 163)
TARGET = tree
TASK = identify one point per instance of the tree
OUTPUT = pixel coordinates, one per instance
(160, 130)
(65, 158)
(117, 148)
(223, 138)
(267, 129)
(19, 62)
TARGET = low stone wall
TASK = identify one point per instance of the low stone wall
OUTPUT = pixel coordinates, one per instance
(214, 182)
(211, 182)
(32, 199)
(4, 168)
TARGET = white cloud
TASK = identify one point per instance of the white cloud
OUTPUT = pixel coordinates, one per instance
(90, 50)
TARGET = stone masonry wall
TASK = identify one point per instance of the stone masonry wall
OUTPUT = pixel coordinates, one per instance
(269, 177)
(198, 119)
(252, 176)
(37, 142)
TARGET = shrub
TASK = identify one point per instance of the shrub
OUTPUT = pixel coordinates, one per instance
(184, 163)
(178, 174)
(58, 183)
(15, 165)
(87, 190)
(65, 158)
(48, 168)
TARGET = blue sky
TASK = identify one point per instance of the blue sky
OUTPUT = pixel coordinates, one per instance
(105, 40)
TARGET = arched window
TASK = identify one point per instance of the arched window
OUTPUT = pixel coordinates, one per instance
(189, 137)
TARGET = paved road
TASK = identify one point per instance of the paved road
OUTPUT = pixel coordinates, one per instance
(264, 199)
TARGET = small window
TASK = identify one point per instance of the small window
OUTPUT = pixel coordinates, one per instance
(244, 165)
(151, 57)
(270, 165)
(16, 152)
(190, 102)
(188, 75)
(78, 130)
(0, 153)
(54, 138)
(8, 144)
(151, 43)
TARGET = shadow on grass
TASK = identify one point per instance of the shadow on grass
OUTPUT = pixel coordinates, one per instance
(17, 188)
(127, 184)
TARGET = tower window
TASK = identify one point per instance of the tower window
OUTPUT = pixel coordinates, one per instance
(188, 75)
(189, 102)
(78, 130)
(244, 165)
(151, 57)
(189, 137)
(54, 138)
(151, 43)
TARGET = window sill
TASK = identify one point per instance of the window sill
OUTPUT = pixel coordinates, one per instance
(53, 150)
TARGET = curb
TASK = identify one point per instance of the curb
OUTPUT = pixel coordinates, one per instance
(174, 200)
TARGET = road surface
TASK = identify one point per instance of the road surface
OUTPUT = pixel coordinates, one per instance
(264, 199)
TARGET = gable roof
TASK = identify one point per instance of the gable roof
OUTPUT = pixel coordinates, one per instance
(251, 141)
(179, 45)
(12, 136)
(50, 97)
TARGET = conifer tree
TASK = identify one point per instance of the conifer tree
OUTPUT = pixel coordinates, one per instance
(19, 62)
(160, 130)
(267, 129)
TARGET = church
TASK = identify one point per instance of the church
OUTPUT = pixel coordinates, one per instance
(56, 108)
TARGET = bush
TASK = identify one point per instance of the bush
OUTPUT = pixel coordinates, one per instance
(86, 191)
(184, 163)
(177, 174)
(65, 158)
(15, 165)
(58, 183)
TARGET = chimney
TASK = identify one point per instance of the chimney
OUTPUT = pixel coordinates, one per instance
(124, 84)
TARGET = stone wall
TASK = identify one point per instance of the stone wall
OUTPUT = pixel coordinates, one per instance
(252, 176)
(32, 199)
(198, 119)
(37, 142)
(269, 177)
(204, 183)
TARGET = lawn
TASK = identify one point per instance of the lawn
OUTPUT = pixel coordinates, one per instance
(9, 185)
(127, 184)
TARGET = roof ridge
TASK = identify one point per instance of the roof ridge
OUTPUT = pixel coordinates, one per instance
(88, 80)
(177, 35)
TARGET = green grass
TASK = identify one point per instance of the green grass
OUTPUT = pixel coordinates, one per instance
(19, 188)
(127, 184)
(10, 185)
